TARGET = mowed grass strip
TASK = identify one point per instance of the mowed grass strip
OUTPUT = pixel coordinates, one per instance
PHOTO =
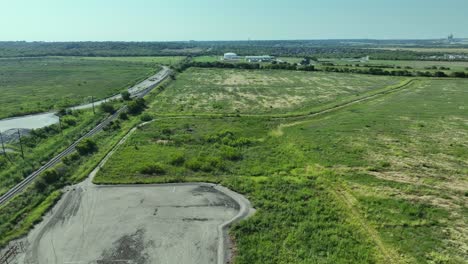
(237, 91)
(30, 85)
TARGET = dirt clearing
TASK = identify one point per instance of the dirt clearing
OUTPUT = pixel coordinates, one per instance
(173, 223)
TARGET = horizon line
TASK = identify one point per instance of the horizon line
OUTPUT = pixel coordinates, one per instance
(238, 40)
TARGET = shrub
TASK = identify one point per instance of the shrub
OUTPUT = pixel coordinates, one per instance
(440, 74)
(87, 146)
(113, 125)
(177, 159)
(123, 116)
(107, 108)
(212, 163)
(194, 164)
(125, 96)
(146, 117)
(458, 75)
(230, 153)
(136, 107)
(151, 169)
(70, 158)
(68, 121)
(167, 131)
(205, 164)
(40, 185)
(51, 176)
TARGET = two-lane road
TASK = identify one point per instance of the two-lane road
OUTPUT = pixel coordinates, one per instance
(144, 88)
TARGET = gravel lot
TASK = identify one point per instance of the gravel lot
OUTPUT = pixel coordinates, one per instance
(172, 223)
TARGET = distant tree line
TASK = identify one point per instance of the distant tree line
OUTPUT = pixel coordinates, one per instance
(251, 66)
(298, 67)
(299, 48)
(380, 71)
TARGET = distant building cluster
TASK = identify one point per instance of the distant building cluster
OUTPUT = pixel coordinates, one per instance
(233, 56)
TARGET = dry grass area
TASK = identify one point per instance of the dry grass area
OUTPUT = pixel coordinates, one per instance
(261, 91)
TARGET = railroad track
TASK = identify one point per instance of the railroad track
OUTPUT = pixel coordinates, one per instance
(55, 160)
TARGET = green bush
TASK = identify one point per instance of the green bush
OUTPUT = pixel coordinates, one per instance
(146, 117)
(231, 153)
(207, 164)
(152, 169)
(51, 176)
(136, 107)
(177, 159)
(87, 146)
(113, 125)
(107, 108)
(68, 121)
(125, 96)
(194, 164)
(67, 160)
(40, 185)
(123, 116)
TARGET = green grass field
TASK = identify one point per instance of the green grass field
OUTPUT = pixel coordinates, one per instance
(30, 85)
(381, 181)
(235, 91)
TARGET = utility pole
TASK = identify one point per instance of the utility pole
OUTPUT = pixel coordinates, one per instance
(21, 144)
(3, 145)
(92, 102)
(60, 125)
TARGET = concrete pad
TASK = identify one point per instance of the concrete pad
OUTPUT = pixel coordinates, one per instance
(172, 223)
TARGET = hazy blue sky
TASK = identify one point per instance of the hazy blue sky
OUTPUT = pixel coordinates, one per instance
(158, 20)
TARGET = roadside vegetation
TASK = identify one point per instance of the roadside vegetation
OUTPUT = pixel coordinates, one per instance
(31, 85)
(40, 145)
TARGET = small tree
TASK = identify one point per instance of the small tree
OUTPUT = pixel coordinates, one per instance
(137, 106)
(123, 115)
(146, 117)
(51, 176)
(40, 185)
(125, 96)
(107, 108)
(87, 146)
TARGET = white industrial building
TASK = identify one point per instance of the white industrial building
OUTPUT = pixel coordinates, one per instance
(264, 58)
(231, 56)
